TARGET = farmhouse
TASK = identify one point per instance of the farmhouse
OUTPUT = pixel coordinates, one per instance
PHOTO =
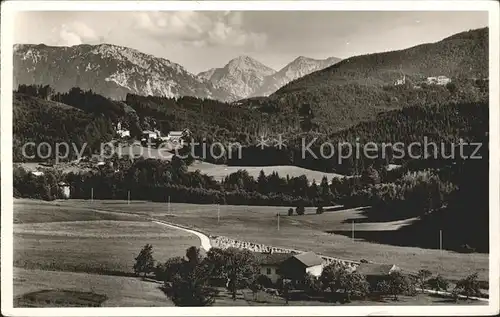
(376, 272)
(122, 132)
(296, 266)
(64, 190)
(270, 264)
(439, 80)
(289, 265)
(177, 136)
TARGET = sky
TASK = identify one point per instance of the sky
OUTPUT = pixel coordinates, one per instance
(200, 40)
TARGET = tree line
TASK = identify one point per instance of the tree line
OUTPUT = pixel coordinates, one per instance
(197, 278)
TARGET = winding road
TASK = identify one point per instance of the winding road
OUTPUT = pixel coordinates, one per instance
(205, 241)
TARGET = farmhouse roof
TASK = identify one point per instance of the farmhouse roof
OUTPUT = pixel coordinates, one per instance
(309, 258)
(271, 258)
(375, 269)
(179, 133)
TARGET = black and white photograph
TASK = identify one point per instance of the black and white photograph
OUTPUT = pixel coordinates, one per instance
(249, 158)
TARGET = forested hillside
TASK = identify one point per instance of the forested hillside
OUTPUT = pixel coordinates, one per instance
(358, 88)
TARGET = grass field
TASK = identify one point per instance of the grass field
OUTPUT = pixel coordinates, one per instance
(53, 236)
(119, 290)
(53, 240)
(259, 224)
(219, 171)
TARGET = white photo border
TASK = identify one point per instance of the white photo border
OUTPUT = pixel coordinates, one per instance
(8, 9)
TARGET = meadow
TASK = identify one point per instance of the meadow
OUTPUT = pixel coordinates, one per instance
(61, 245)
(67, 238)
(308, 232)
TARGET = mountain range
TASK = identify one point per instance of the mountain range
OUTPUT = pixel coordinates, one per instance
(247, 77)
(114, 71)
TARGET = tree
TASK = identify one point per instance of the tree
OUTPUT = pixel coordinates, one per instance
(468, 286)
(396, 284)
(319, 210)
(422, 277)
(312, 284)
(191, 287)
(255, 287)
(144, 262)
(438, 283)
(290, 211)
(166, 271)
(326, 193)
(300, 210)
(336, 277)
(193, 255)
(370, 176)
(240, 268)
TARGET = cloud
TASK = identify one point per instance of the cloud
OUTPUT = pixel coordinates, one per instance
(199, 29)
(76, 33)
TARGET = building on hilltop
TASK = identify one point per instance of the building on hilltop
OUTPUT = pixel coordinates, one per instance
(439, 80)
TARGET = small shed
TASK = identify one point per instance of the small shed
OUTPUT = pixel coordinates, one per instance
(64, 190)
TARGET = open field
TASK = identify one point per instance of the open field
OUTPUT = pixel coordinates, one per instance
(87, 241)
(32, 211)
(119, 290)
(219, 171)
(259, 224)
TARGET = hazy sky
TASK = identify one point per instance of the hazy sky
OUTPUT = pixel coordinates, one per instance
(204, 39)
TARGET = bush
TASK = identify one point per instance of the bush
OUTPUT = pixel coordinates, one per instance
(264, 281)
(422, 277)
(468, 286)
(338, 278)
(290, 212)
(438, 283)
(319, 210)
(396, 284)
(300, 210)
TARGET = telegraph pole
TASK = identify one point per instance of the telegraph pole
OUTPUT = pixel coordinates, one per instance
(441, 240)
(128, 198)
(218, 213)
(352, 230)
(92, 195)
(168, 204)
(278, 221)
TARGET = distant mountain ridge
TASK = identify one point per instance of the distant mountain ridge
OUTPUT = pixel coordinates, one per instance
(110, 70)
(299, 67)
(114, 71)
(241, 76)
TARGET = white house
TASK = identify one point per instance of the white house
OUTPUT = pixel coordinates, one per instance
(270, 264)
(122, 132)
(439, 80)
(177, 136)
(64, 190)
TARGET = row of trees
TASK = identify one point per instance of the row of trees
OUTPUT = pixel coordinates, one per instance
(195, 279)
